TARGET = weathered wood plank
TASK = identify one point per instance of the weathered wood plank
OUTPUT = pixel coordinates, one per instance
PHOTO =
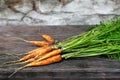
(84, 68)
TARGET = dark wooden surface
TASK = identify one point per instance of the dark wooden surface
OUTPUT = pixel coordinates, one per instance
(99, 68)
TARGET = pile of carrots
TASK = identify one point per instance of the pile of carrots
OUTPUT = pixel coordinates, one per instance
(44, 55)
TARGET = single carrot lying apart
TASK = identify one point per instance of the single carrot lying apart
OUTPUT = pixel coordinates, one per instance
(53, 59)
(48, 38)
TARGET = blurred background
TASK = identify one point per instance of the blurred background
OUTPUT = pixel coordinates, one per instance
(57, 12)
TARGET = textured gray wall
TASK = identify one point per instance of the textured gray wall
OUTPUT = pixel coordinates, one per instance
(76, 12)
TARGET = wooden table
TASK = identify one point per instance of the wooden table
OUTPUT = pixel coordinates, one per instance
(99, 68)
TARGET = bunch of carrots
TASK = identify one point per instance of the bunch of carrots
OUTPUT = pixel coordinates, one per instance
(102, 39)
(45, 54)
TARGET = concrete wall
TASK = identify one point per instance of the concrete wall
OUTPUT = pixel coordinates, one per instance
(76, 12)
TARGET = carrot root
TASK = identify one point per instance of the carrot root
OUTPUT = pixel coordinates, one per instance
(13, 55)
(17, 71)
(10, 62)
(17, 62)
(21, 39)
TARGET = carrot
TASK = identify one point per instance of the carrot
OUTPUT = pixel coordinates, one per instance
(34, 51)
(27, 61)
(25, 58)
(50, 54)
(53, 59)
(44, 51)
(48, 38)
(37, 52)
(28, 55)
(13, 55)
(30, 52)
(50, 60)
(37, 43)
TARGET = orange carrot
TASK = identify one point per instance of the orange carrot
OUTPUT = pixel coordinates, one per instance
(39, 52)
(29, 60)
(48, 38)
(47, 61)
(44, 51)
(50, 54)
(37, 43)
(34, 51)
(50, 60)
(29, 55)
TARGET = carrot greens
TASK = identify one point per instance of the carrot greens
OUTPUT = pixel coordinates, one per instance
(103, 39)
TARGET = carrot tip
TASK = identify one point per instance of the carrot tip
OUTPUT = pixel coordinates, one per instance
(17, 71)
